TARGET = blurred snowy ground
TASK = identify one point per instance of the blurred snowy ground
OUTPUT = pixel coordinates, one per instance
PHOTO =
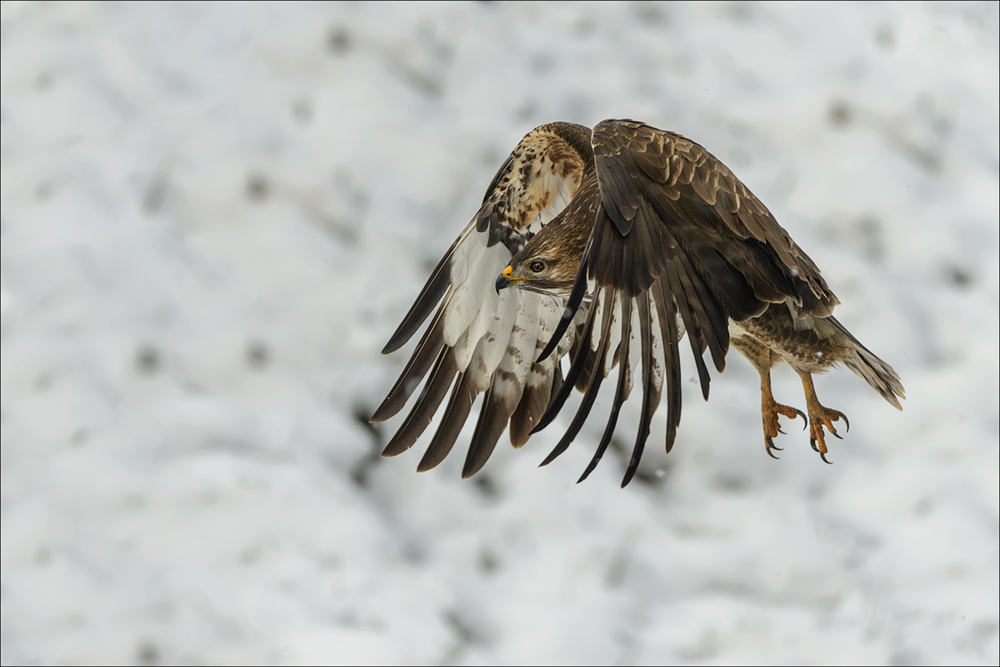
(214, 215)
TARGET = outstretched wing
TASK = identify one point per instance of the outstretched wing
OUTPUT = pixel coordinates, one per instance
(678, 240)
(480, 341)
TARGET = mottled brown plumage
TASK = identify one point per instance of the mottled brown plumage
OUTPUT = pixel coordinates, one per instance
(642, 235)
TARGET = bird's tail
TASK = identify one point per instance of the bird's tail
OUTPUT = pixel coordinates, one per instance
(873, 370)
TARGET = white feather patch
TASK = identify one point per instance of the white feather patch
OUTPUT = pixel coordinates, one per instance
(476, 293)
(471, 248)
(518, 357)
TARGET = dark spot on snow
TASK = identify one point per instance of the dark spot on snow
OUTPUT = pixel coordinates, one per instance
(303, 111)
(958, 276)
(942, 126)
(135, 501)
(651, 13)
(328, 561)
(43, 382)
(907, 656)
(869, 233)
(839, 113)
(147, 653)
(463, 630)
(487, 560)
(425, 83)
(584, 27)
(885, 38)
(257, 354)
(924, 157)
(338, 40)
(362, 414)
(44, 81)
(249, 556)
(147, 359)
(620, 559)
(657, 476)
(486, 486)
(413, 553)
(361, 470)
(740, 11)
(646, 477)
(79, 436)
(155, 195)
(730, 483)
(525, 112)
(923, 507)
(257, 187)
(542, 63)
(464, 636)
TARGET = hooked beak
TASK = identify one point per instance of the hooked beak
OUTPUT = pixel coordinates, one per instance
(505, 279)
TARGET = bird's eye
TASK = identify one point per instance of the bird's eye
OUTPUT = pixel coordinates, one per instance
(537, 266)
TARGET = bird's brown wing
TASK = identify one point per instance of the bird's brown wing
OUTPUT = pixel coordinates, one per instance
(678, 240)
(480, 341)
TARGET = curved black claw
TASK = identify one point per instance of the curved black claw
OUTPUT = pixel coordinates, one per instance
(805, 419)
(812, 443)
(770, 446)
(847, 424)
(780, 431)
(822, 455)
(838, 437)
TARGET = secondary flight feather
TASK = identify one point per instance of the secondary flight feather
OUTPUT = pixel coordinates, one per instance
(607, 246)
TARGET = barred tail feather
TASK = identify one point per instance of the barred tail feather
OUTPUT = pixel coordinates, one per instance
(878, 374)
(873, 370)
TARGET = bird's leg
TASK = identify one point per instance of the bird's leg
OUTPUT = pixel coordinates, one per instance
(763, 359)
(819, 417)
(769, 411)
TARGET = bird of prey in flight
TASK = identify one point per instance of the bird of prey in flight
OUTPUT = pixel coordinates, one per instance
(607, 246)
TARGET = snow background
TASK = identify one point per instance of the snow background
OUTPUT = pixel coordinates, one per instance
(214, 215)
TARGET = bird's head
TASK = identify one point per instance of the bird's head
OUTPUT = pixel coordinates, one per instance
(538, 273)
(548, 263)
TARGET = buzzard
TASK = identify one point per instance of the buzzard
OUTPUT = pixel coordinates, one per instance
(607, 246)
